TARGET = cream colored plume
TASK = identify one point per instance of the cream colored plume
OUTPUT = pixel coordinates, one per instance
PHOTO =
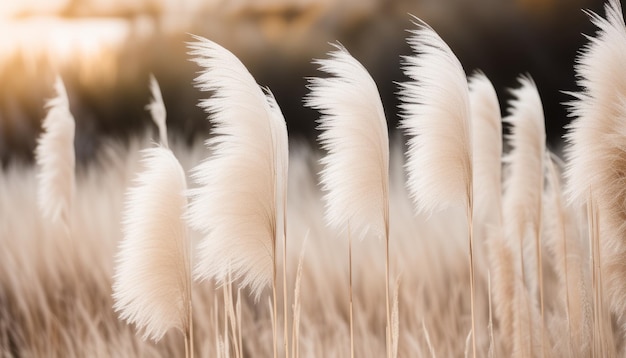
(152, 281)
(596, 166)
(525, 177)
(56, 159)
(487, 147)
(355, 177)
(436, 120)
(523, 209)
(238, 204)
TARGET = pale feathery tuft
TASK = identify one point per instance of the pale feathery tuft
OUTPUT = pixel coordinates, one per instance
(597, 108)
(157, 110)
(56, 159)
(522, 208)
(152, 281)
(355, 177)
(238, 201)
(436, 120)
(596, 153)
(281, 143)
(487, 146)
(487, 164)
(524, 171)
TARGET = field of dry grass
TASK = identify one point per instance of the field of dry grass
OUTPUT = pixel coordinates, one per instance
(547, 233)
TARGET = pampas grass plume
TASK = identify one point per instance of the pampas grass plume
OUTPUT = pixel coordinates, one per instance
(523, 210)
(436, 120)
(355, 177)
(56, 159)
(487, 150)
(596, 167)
(237, 199)
(152, 281)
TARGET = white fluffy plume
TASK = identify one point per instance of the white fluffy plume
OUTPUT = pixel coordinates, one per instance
(56, 159)
(354, 134)
(597, 158)
(241, 186)
(523, 207)
(597, 107)
(281, 150)
(157, 110)
(436, 118)
(524, 182)
(152, 281)
(487, 138)
(435, 105)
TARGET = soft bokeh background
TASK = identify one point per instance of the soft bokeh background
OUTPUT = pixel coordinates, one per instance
(105, 50)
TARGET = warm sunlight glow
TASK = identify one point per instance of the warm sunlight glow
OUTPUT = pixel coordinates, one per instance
(12, 8)
(86, 45)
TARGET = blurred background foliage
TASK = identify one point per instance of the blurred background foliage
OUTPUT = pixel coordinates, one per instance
(105, 50)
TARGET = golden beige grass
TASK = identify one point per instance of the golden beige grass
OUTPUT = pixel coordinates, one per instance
(549, 281)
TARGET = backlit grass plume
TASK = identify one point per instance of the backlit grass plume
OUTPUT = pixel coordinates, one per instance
(355, 177)
(436, 119)
(354, 134)
(152, 281)
(56, 159)
(239, 202)
(487, 150)
(487, 171)
(281, 147)
(523, 205)
(597, 165)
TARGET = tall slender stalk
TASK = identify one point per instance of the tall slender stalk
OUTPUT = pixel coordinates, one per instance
(274, 306)
(189, 331)
(388, 330)
(594, 277)
(540, 274)
(186, 345)
(350, 292)
(492, 342)
(239, 335)
(285, 311)
(470, 223)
